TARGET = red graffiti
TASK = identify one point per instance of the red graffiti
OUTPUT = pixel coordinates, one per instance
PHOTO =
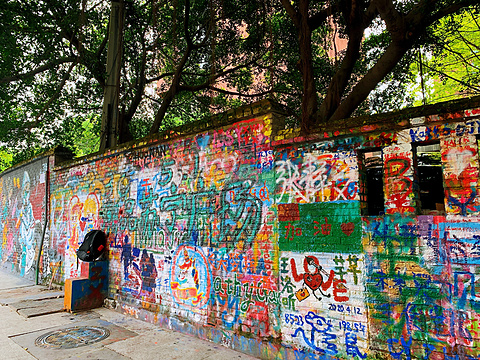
(347, 228)
(326, 228)
(315, 280)
(398, 185)
(292, 231)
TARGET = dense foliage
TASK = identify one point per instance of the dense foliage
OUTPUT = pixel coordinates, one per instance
(184, 59)
(449, 65)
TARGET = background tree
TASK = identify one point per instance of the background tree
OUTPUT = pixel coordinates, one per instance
(53, 76)
(184, 59)
(401, 27)
(449, 67)
(5, 159)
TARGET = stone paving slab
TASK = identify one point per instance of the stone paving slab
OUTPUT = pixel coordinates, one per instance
(11, 282)
(30, 308)
(155, 342)
(32, 292)
(168, 344)
(27, 341)
(100, 354)
(130, 339)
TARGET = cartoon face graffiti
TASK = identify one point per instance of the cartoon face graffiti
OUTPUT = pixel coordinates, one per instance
(318, 280)
(190, 277)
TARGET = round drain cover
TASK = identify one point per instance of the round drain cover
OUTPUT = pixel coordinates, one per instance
(72, 337)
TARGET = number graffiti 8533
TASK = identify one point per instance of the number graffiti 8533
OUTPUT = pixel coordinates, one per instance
(349, 326)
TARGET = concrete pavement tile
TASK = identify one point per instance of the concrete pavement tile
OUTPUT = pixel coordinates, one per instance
(127, 322)
(151, 343)
(98, 354)
(81, 316)
(6, 298)
(224, 354)
(28, 341)
(9, 296)
(169, 345)
(12, 351)
(10, 281)
(15, 324)
(31, 308)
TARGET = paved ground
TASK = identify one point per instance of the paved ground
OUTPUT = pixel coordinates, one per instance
(33, 326)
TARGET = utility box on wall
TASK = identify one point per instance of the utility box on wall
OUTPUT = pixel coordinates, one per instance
(90, 289)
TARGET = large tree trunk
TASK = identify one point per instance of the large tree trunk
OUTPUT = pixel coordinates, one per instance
(309, 100)
(356, 22)
(341, 78)
(110, 115)
(372, 78)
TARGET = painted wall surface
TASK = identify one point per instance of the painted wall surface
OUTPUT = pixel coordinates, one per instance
(22, 216)
(257, 241)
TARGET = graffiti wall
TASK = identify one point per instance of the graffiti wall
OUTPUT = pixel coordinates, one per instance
(267, 243)
(22, 217)
(190, 224)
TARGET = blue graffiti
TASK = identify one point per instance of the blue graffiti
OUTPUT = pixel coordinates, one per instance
(318, 325)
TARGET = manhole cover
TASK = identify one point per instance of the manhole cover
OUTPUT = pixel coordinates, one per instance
(72, 337)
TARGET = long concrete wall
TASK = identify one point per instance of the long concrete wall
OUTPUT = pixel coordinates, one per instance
(261, 241)
(22, 217)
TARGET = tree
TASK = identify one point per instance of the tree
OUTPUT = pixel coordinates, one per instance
(449, 68)
(405, 24)
(182, 60)
(54, 72)
(5, 160)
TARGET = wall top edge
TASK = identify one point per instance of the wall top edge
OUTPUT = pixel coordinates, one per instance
(445, 112)
(393, 121)
(439, 112)
(230, 117)
(24, 163)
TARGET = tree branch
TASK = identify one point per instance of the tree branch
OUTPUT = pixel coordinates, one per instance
(369, 81)
(38, 70)
(125, 134)
(291, 12)
(87, 58)
(404, 31)
(317, 20)
(212, 78)
(357, 22)
(461, 82)
(174, 87)
(56, 94)
(234, 93)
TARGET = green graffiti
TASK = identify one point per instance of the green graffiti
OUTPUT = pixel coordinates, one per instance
(333, 227)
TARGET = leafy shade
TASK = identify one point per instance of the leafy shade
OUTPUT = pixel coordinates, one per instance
(399, 26)
(186, 59)
(180, 62)
(6, 159)
(450, 67)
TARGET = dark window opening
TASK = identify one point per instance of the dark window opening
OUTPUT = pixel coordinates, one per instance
(372, 182)
(430, 178)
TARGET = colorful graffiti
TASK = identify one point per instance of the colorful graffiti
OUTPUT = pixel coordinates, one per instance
(323, 309)
(461, 166)
(399, 179)
(328, 227)
(305, 177)
(261, 246)
(22, 204)
(423, 294)
(190, 277)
